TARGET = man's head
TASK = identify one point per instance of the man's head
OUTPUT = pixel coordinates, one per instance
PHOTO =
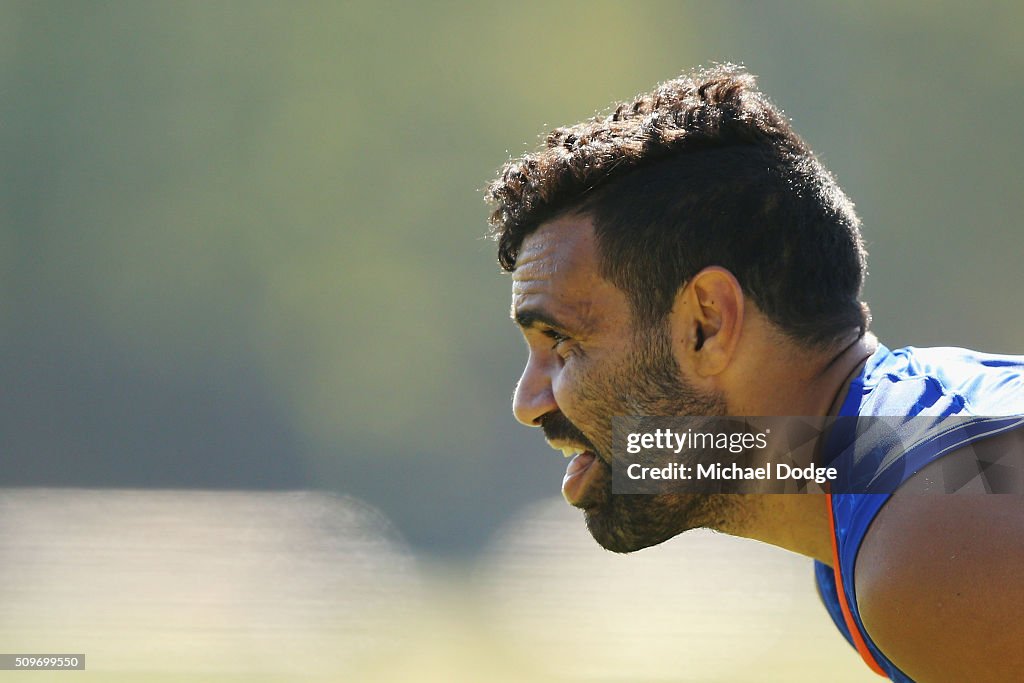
(640, 245)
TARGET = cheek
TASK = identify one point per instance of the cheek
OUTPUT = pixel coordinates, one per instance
(568, 387)
(583, 393)
(564, 386)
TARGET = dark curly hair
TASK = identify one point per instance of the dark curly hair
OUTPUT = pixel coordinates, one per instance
(704, 170)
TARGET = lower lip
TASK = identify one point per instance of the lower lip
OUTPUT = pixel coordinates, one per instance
(578, 474)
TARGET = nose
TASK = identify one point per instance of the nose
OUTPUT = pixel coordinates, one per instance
(533, 398)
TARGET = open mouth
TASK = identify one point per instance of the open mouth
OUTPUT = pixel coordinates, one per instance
(579, 476)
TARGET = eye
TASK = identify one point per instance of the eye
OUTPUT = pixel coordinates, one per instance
(558, 338)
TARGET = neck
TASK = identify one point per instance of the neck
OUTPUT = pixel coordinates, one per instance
(782, 379)
(797, 522)
(801, 387)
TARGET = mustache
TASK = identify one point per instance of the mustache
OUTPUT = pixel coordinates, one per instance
(557, 427)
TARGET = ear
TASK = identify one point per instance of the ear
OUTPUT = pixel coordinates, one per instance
(708, 320)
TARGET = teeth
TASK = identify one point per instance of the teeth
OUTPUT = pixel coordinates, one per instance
(570, 452)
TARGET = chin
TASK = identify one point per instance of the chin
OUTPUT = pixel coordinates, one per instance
(626, 529)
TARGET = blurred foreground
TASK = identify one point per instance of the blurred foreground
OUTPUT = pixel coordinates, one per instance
(214, 586)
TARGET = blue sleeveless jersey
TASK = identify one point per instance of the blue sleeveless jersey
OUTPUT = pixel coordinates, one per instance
(983, 393)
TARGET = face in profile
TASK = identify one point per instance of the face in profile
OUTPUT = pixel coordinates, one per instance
(588, 362)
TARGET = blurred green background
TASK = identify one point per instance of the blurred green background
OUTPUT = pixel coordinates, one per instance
(241, 243)
(242, 246)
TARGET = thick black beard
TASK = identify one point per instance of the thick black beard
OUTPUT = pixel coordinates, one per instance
(651, 384)
(628, 525)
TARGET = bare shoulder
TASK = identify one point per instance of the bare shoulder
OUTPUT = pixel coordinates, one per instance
(940, 577)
